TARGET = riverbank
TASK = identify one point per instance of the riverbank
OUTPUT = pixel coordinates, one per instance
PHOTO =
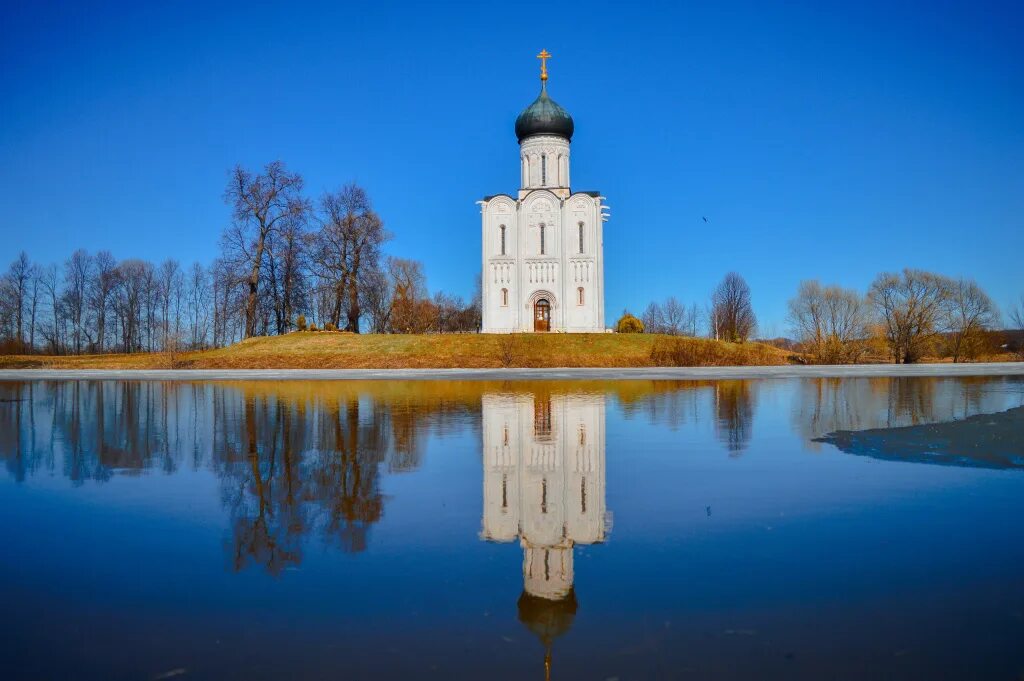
(536, 374)
(333, 350)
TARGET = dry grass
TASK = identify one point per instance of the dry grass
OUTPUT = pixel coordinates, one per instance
(318, 350)
(702, 352)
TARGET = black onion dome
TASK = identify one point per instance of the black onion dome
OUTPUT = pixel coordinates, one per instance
(544, 117)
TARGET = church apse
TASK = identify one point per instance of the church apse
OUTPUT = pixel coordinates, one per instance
(544, 485)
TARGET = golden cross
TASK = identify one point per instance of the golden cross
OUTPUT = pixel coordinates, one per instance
(544, 56)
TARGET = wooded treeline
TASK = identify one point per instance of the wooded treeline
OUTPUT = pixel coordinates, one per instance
(283, 256)
(904, 317)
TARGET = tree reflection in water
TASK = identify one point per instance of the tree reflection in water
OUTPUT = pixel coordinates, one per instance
(293, 459)
(305, 459)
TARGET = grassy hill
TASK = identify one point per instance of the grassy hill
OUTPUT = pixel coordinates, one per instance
(332, 350)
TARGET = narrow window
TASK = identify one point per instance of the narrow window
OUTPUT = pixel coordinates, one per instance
(503, 238)
(581, 237)
(505, 436)
(579, 293)
(544, 495)
(504, 298)
(504, 492)
(542, 238)
(544, 170)
(583, 495)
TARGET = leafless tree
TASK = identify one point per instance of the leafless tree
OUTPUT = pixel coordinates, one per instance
(675, 316)
(77, 275)
(912, 308)
(830, 322)
(169, 291)
(1016, 319)
(1017, 315)
(35, 294)
(101, 289)
(19, 278)
(346, 250)
(653, 318)
(261, 205)
(733, 315)
(129, 303)
(411, 310)
(970, 314)
(53, 333)
(378, 299)
(198, 302)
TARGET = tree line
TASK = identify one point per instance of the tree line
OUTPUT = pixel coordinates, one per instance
(283, 256)
(903, 317)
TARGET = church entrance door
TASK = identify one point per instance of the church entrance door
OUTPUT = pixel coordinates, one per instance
(542, 315)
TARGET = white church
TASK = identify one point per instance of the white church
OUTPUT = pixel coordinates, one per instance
(543, 262)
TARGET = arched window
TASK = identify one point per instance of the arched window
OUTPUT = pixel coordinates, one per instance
(579, 295)
(542, 238)
(581, 236)
(503, 239)
(504, 297)
(544, 170)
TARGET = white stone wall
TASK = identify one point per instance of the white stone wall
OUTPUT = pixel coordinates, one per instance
(571, 279)
(544, 481)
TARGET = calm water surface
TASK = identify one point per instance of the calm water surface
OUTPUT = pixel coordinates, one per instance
(792, 529)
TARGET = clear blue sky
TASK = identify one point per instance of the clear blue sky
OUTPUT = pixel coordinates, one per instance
(820, 142)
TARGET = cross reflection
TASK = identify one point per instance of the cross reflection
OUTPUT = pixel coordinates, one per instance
(544, 484)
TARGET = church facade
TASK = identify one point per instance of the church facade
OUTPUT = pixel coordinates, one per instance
(543, 262)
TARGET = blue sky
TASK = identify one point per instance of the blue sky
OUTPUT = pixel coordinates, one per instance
(821, 140)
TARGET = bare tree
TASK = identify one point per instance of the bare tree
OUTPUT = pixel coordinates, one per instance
(347, 250)
(675, 316)
(411, 310)
(101, 288)
(378, 299)
(912, 308)
(653, 318)
(733, 315)
(830, 322)
(970, 314)
(1017, 321)
(77, 274)
(35, 293)
(19, 277)
(261, 204)
(198, 301)
(53, 334)
(169, 284)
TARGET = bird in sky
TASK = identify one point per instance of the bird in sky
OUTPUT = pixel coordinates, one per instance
(705, 219)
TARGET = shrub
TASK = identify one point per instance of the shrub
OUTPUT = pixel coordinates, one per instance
(312, 327)
(329, 326)
(300, 322)
(507, 349)
(629, 324)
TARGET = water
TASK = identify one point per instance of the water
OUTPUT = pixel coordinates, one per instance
(795, 529)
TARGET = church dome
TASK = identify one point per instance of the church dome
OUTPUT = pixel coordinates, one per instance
(544, 117)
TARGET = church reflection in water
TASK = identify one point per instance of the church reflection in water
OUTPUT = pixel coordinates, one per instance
(544, 485)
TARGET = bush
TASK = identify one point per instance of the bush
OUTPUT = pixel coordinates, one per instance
(629, 324)
(330, 327)
(312, 327)
(300, 322)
